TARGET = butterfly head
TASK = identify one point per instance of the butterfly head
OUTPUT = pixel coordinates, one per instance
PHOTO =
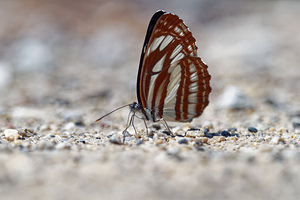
(134, 106)
(138, 110)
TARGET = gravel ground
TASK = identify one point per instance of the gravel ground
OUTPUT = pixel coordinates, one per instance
(59, 73)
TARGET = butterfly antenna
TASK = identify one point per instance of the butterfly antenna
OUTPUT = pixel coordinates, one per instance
(111, 112)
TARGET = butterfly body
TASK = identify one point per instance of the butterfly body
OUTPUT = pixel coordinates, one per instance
(172, 81)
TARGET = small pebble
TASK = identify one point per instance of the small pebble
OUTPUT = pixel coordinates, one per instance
(277, 140)
(199, 145)
(232, 129)
(139, 142)
(233, 138)
(296, 125)
(203, 140)
(69, 126)
(26, 132)
(167, 132)
(44, 127)
(225, 133)
(194, 129)
(81, 141)
(211, 135)
(62, 145)
(159, 141)
(221, 139)
(207, 125)
(11, 134)
(53, 127)
(41, 145)
(282, 130)
(182, 134)
(156, 126)
(98, 136)
(79, 123)
(115, 140)
(173, 151)
(191, 134)
(252, 129)
(206, 130)
(233, 98)
(183, 141)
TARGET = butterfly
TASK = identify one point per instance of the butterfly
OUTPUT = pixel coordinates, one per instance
(173, 83)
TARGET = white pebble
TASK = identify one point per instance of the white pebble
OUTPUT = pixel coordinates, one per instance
(44, 127)
(53, 127)
(174, 151)
(207, 124)
(69, 126)
(276, 140)
(62, 145)
(234, 98)
(11, 134)
(43, 144)
(116, 139)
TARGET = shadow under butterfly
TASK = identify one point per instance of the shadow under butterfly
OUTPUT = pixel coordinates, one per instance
(172, 82)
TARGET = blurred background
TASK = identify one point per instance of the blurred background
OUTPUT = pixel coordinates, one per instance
(64, 63)
(84, 54)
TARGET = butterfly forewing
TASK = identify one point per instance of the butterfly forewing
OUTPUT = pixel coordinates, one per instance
(173, 83)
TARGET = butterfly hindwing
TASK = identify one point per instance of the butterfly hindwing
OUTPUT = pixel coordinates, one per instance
(180, 91)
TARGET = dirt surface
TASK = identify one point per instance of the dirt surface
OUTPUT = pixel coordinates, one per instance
(65, 63)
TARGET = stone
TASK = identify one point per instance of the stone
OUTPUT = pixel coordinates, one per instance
(62, 145)
(252, 129)
(203, 139)
(139, 142)
(183, 141)
(115, 139)
(277, 140)
(208, 125)
(225, 133)
(296, 126)
(44, 127)
(173, 151)
(11, 134)
(69, 126)
(234, 98)
(26, 132)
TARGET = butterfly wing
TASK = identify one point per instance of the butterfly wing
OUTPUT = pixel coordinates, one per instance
(173, 83)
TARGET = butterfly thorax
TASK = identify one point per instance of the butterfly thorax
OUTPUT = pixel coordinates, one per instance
(140, 112)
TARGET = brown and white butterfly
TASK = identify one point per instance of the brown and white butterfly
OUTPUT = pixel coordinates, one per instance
(172, 81)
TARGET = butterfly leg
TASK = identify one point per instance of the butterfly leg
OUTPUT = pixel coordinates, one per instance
(132, 122)
(129, 122)
(167, 126)
(146, 127)
(143, 118)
